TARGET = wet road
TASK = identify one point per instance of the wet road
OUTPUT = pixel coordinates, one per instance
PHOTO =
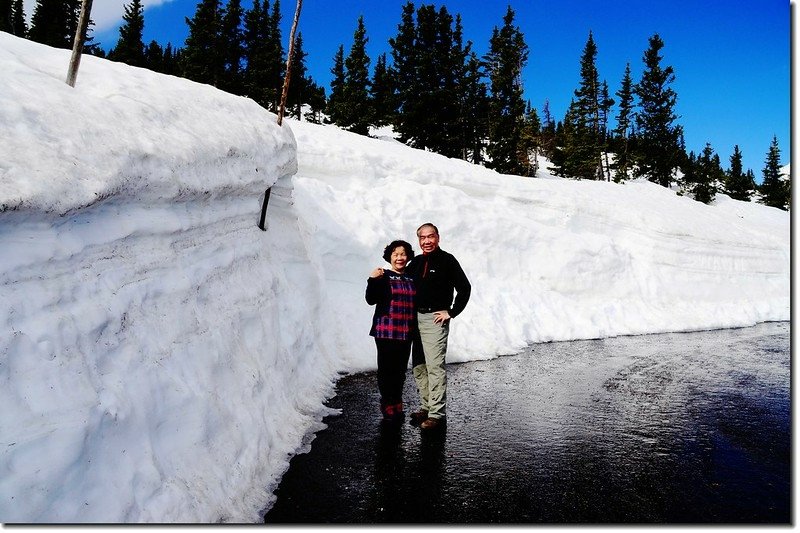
(674, 428)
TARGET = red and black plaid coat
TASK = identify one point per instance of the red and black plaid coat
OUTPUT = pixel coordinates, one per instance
(393, 296)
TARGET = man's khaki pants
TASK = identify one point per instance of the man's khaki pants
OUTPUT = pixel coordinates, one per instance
(427, 356)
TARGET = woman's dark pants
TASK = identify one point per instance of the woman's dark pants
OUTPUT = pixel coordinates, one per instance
(392, 364)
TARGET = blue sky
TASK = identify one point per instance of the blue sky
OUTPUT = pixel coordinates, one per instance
(731, 58)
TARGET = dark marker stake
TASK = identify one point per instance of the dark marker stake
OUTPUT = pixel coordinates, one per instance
(263, 223)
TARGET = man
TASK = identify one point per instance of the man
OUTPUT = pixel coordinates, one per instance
(436, 274)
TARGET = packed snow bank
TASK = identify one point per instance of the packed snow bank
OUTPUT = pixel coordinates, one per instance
(549, 259)
(155, 363)
(161, 358)
(124, 131)
(162, 376)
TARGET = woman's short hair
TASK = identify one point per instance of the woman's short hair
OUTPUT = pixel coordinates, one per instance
(387, 252)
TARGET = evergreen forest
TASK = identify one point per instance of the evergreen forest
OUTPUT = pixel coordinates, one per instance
(437, 93)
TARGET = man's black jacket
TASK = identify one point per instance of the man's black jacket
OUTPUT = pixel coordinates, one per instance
(436, 275)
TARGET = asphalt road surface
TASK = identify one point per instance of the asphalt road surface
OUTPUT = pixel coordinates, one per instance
(675, 428)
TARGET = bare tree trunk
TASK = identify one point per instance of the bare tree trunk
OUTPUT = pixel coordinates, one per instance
(288, 77)
(77, 44)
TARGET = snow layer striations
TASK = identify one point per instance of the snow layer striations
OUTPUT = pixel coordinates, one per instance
(150, 343)
(161, 358)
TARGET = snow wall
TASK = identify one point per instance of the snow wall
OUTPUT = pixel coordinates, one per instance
(549, 259)
(161, 358)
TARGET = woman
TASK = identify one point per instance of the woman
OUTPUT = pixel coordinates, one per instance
(392, 292)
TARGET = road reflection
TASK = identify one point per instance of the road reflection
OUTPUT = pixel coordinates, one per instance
(675, 428)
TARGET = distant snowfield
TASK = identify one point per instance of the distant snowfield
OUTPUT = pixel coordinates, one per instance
(161, 358)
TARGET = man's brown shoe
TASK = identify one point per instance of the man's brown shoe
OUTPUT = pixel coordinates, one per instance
(419, 417)
(432, 423)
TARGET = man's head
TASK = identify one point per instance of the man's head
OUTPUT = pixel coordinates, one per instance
(428, 236)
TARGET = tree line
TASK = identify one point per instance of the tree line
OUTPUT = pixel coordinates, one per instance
(239, 51)
(437, 93)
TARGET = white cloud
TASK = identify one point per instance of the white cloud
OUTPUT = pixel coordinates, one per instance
(105, 13)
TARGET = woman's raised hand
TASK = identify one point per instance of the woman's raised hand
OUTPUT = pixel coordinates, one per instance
(378, 272)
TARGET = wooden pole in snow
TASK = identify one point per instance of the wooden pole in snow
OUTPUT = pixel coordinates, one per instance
(262, 223)
(288, 76)
(77, 44)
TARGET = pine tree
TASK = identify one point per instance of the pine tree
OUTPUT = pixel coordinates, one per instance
(559, 136)
(737, 184)
(564, 145)
(19, 26)
(529, 145)
(55, 23)
(419, 128)
(706, 176)
(507, 56)
(437, 88)
(586, 143)
(605, 110)
(470, 94)
(449, 63)
(381, 93)
(173, 59)
(232, 48)
(73, 9)
(336, 112)
(622, 132)
(751, 178)
(774, 192)
(7, 16)
(659, 150)
(435, 110)
(275, 58)
(298, 84)
(688, 176)
(583, 153)
(263, 51)
(73, 14)
(130, 47)
(255, 34)
(719, 174)
(355, 90)
(92, 48)
(162, 59)
(153, 57)
(564, 140)
(404, 71)
(689, 168)
(52, 23)
(548, 137)
(315, 98)
(202, 58)
(475, 110)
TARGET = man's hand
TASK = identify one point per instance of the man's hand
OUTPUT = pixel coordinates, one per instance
(440, 317)
(378, 272)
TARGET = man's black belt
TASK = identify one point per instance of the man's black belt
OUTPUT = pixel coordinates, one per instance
(425, 310)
